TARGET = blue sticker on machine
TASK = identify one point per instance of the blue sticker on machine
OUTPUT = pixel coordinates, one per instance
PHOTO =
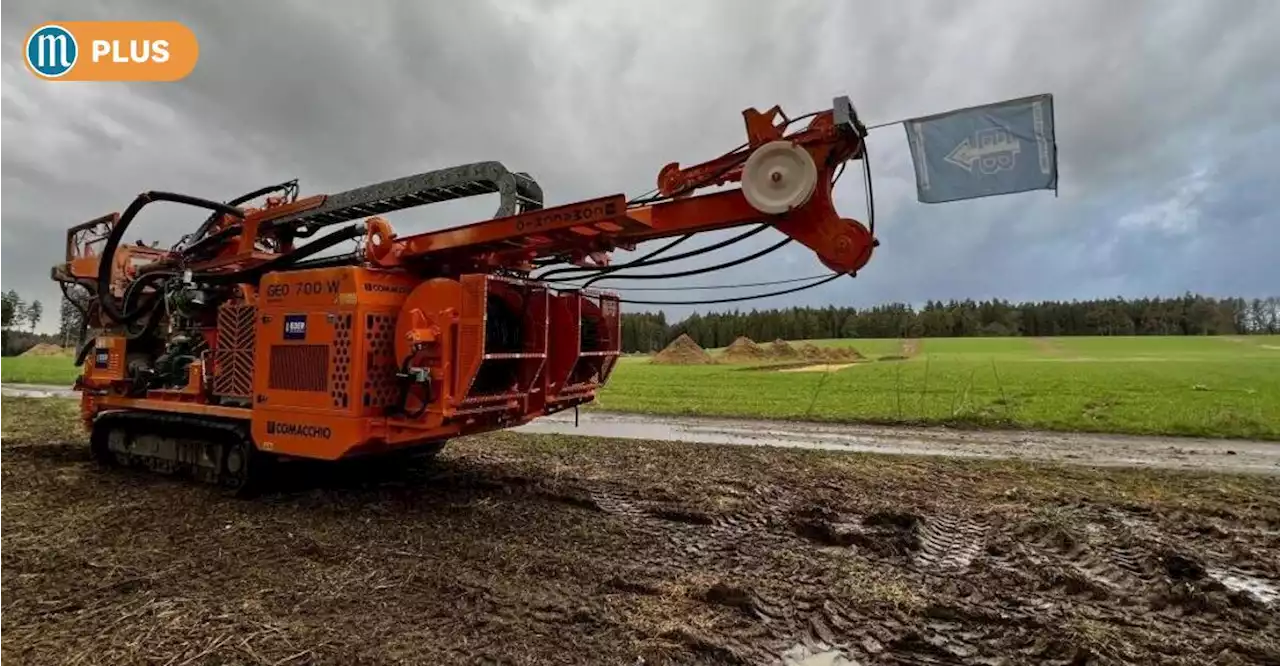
(295, 327)
(102, 358)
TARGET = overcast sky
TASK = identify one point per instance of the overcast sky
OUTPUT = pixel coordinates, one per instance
(1165, 124)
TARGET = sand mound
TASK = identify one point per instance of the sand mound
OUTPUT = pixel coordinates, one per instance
(743, 349)
(841, 354)
(45, 349)
(782, 349)
(810, 352)
(683, 351)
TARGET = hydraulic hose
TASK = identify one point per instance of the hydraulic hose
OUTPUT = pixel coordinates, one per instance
(647, 261)
(211, 240)
(83, 352)
(349, 259)
(693, 271)
(198, 236)
(108, 303)
(285, 261)
(132, 296)
(645, 258)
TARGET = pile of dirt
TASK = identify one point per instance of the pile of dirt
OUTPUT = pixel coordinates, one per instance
(811, 352)
(743, 350)
(842, 354)
(781, 349)
(45, 349)
(683, 351)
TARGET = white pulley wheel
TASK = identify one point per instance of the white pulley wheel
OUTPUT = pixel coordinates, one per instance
(779, 176)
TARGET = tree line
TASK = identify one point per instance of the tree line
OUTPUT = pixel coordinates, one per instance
(1189, 314)
(19, 320)
(1186, 315)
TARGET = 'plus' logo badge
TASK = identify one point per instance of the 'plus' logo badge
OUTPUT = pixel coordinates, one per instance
(111, 51)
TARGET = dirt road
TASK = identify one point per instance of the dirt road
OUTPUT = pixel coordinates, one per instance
(1078, 448)
(1082, 448)
(529, 549)
(36, 391)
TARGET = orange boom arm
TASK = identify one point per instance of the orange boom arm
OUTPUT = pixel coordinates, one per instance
(786, 181)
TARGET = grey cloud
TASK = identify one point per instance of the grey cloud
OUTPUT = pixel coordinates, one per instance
(595, 99)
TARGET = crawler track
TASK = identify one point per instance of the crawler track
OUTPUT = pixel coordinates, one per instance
(213, 451)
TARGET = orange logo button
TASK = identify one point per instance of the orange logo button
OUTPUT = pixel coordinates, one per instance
(112, 51)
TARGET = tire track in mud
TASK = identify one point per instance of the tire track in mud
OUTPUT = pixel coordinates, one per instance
(1120, 573)
(1081, 569)
(815, 626)
(950, 543)
(768, 575)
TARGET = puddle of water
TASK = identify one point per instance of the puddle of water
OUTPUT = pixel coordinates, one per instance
(816, 655)
(1253, 586)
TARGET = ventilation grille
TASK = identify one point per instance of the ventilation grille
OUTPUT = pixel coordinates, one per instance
(299, 368)
(233, 359)
(380, 389)
(341, 377)
(471, 327)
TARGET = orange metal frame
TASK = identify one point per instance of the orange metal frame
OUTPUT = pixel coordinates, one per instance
(327, 342)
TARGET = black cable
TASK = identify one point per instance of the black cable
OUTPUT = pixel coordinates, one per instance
(594, 270)
(107, 258)
(648, 260)
(348, 259)
(289, 185)
(871, 199)
(644, 261)
(610, 269)
(210, 241)
(285, 260)
(83, 352)
(695, 271)
(133, 294)
(712, 286)
(82, 309)
(739, 298)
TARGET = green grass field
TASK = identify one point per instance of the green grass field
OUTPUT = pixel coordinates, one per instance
(1207, 386)
(38, 370)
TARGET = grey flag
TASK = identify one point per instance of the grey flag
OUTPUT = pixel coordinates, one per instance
(982, 151)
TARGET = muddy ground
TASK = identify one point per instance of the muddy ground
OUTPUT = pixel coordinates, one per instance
(518, 548)
(1095, 449)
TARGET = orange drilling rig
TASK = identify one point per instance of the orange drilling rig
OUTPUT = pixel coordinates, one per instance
(240, 347)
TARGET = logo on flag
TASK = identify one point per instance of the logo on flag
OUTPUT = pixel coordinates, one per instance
(982, 151)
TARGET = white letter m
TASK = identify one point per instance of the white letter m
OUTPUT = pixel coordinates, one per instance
(47, 44)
